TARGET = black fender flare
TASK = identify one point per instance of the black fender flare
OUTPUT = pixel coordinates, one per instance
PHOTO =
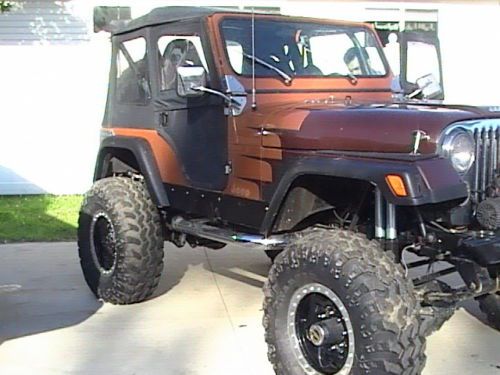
(146, 161)
(428, 180)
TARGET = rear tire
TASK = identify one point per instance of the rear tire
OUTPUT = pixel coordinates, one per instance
(120, 241)
(349, 285)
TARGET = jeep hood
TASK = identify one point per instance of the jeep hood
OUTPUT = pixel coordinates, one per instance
(365, 128)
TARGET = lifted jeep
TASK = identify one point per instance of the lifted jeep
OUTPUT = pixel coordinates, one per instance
(281, 134)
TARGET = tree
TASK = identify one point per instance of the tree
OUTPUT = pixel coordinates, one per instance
(5, 5)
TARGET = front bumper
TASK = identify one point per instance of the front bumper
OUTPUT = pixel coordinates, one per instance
(485, 251)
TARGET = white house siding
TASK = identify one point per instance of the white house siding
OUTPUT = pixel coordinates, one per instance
(53, 96)
(470, 41)
(35, 22)
(54, 73)
(52, 89)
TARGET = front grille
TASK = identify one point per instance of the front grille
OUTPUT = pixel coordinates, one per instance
(485, 169)
(482, 175)
(481, 178)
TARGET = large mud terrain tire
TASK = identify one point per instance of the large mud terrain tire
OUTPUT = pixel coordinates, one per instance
(336, 304)
(120, 241)
(490, 305)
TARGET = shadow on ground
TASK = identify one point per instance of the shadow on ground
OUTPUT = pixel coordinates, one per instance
(44, 293)
(171, 309)
(241, 265)
(41, 293)
(231, 262)
(41, 287)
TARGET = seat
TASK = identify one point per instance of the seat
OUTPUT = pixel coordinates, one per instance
(275, 52)
(179, 52)
(284, 54)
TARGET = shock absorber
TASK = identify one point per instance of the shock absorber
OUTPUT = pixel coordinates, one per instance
(386, 225)
(379, 215)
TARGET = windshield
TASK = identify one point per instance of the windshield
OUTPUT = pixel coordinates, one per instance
(301, 49)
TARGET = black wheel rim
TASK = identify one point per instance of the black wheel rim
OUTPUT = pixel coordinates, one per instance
(103, 244)
(316, 306)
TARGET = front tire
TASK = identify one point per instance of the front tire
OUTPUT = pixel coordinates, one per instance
(120, 241)
(336, 304)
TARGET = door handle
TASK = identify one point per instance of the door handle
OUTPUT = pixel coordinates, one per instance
(264, 132)
(164, 119)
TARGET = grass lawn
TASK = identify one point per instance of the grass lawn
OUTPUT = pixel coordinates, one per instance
(38, 217)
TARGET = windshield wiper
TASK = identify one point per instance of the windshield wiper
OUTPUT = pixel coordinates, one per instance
(352, 78)
(282, 74)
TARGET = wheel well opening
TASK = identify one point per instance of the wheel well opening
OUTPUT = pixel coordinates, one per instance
(313, 199)
(115, 162)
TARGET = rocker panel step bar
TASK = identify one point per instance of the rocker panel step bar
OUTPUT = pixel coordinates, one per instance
(201, 228)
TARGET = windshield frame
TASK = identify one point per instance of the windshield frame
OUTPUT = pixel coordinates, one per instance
(355, 26)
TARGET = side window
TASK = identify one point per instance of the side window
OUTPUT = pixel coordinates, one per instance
(132, 80)
(175, 51)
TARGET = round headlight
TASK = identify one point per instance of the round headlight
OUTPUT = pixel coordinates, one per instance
(459, 147)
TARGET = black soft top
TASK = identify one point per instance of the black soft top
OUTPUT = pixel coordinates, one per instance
(172, 14)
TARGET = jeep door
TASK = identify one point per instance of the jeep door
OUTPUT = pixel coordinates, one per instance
(194, 127)
(420, 57)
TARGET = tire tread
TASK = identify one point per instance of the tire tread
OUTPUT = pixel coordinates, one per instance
(139, 238)
(391, 324)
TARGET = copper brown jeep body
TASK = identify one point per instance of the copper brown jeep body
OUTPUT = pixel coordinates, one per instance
(258, 159)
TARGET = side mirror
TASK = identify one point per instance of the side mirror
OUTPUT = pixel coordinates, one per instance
(189, 80)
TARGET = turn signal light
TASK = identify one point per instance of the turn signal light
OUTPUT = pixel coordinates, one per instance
(397, 185)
